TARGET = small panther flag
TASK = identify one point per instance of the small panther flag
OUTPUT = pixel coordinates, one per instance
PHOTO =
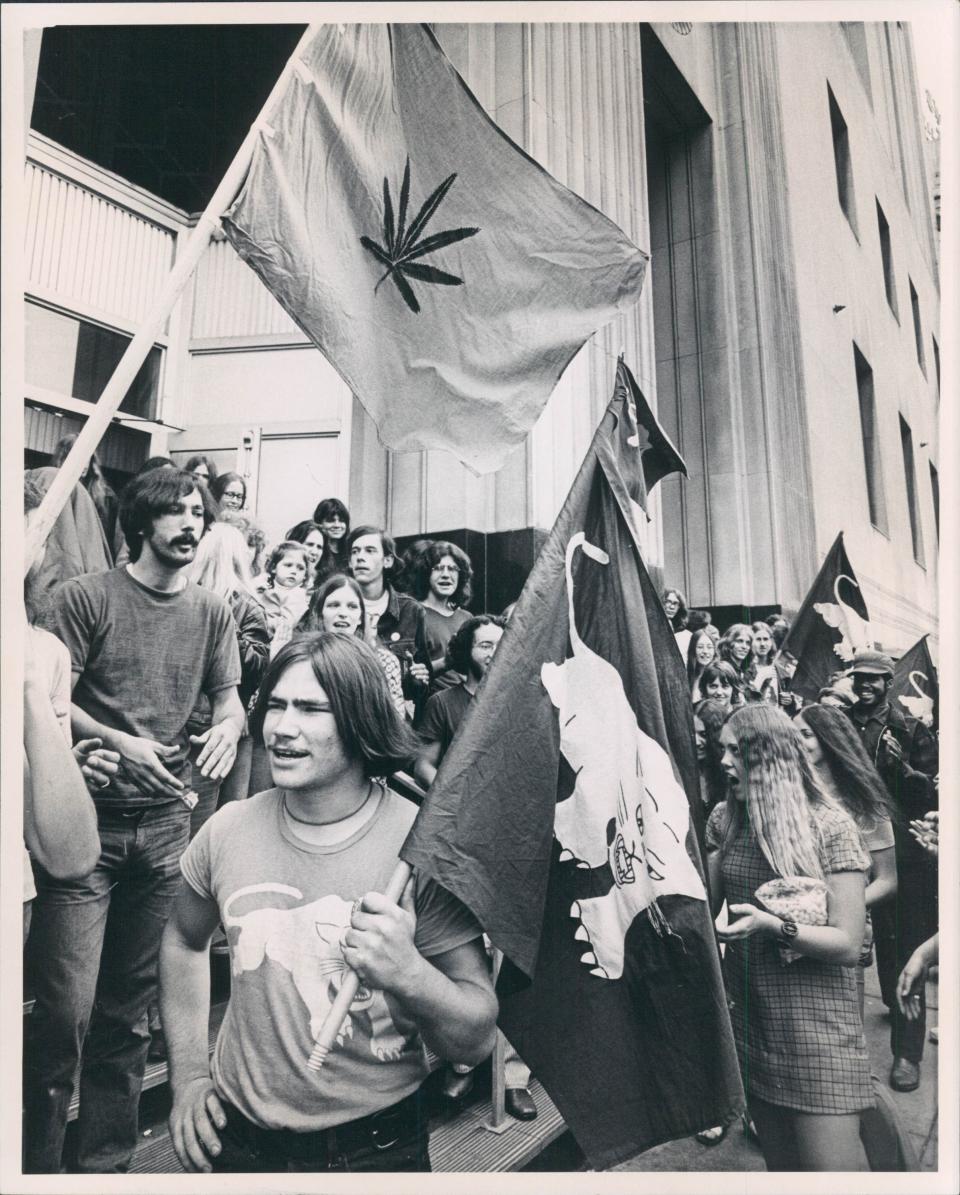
(446, 276)
(916, 687)
(562, 816)
(831, 626)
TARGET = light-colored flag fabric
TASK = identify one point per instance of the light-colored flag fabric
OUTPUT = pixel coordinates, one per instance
(445, 275)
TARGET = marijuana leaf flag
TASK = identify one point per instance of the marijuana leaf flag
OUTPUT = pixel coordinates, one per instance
(563, 815)
(445, 275)
(402, 245)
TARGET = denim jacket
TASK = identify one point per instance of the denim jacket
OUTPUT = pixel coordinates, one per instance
(402, 630)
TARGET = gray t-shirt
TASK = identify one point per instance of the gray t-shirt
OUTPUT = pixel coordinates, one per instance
(142, 659)
(284, 904)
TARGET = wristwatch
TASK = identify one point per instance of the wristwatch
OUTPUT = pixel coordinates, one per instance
(788, 929)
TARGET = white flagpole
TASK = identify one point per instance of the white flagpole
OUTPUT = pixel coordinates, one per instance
(350, 985)
(93, 430)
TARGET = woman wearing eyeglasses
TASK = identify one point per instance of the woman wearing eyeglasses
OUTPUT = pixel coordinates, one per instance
(441, 582)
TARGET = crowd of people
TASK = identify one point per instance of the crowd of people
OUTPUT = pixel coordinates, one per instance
(171, 667)
(209, 722)
(821, 828)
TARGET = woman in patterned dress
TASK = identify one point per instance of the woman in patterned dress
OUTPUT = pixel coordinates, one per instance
(796, 1023)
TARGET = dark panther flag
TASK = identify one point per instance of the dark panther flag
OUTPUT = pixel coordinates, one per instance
(641, 429)
(831, 626)
(916, 688)
(561, 815)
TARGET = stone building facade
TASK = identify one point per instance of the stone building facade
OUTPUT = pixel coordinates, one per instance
(788, 334)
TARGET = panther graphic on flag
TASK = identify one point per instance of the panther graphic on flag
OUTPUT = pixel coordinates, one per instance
(921, 706)
(628, 809)
(854, 631)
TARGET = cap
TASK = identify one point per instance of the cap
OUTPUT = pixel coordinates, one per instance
(872, 661)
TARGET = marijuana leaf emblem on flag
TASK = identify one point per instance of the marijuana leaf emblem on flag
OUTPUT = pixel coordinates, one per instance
(402, 248)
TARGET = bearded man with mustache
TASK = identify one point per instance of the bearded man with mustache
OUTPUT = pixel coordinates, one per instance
(144, 644)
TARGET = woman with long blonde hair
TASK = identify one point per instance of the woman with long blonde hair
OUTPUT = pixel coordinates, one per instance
(790, 974)
(222, 564)
(736, 648)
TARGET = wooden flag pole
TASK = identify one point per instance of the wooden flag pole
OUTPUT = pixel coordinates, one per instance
(120, 381)
(323, 1043)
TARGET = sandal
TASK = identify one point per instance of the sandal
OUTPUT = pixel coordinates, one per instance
(712, 1136)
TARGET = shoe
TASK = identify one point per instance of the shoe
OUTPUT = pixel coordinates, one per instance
(934, 1035)
(519, 1103)
(905, 1075)
(457, 1087)
(712, 1136)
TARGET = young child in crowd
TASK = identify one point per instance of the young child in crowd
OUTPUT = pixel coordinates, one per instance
(284, 597)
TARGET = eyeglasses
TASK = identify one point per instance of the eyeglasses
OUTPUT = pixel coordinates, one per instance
(446, 568)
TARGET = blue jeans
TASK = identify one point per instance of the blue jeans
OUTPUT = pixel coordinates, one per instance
(92, 958)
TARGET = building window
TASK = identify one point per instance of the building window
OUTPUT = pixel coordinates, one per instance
(917, 326)
(871, 443)
(935, 492)
(909, 473)
(886, 256)
(841, 160)
(936, 362)
(68, 355)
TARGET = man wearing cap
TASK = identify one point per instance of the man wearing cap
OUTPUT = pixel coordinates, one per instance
(905, 754)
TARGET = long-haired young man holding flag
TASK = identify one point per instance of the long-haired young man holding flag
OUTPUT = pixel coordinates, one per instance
(299, 876)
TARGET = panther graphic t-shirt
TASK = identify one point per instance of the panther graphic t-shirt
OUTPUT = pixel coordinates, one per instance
(284, 904)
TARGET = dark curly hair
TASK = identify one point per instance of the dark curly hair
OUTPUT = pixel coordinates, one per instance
(461, 641)
(149, 495)
(427, 560)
